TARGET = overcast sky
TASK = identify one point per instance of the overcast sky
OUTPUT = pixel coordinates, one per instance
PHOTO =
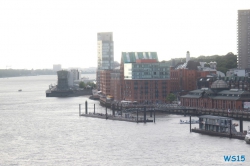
(39, 33)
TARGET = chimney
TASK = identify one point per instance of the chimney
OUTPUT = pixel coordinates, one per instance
(187, 56)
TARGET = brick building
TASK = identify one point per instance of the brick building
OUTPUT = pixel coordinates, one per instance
(105, 81)
(143, 78)
(219, 96)
(184, 79)
(115, 84)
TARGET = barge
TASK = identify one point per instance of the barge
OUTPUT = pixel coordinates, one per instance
(68, 92)
(218, 126)
(68, 85)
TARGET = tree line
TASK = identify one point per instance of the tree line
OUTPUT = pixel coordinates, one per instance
(24, 72)
(224, 62)
(87, 85)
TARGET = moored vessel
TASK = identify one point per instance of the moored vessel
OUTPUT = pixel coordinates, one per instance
(218, 126)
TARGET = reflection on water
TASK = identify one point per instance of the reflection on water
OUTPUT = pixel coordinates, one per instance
(36, 130)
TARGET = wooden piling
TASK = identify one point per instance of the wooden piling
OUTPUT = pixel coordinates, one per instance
(121, 110)
(85, 107)
(137, 115)
(230, 123)
(113, 110)
(106, 113)
(154, 115)
(94, 108)
(144, 114)
(79, 109)
(241, 125)
(190, 124)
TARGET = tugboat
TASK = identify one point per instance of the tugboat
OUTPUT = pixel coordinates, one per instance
(20, 90)
(247, 137)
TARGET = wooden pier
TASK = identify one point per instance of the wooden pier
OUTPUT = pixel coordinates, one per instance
(127, 116)
(119, 118)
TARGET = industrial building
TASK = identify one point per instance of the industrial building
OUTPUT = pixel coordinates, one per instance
(66, 79)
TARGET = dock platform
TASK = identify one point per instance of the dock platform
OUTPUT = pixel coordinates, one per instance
(241, 137)
(119, 118)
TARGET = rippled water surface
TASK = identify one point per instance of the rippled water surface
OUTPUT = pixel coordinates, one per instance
(35, 130)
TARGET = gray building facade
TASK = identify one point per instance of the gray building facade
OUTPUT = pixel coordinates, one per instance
(243, 39)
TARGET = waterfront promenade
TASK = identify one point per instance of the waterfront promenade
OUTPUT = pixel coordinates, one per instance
(131, 109)
(182, 110)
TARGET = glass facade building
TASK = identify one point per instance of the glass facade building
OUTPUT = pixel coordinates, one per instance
(137, 71)
(143, 78)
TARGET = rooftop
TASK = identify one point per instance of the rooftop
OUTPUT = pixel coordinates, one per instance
(131, 57)
(214, 117)
(219, 84)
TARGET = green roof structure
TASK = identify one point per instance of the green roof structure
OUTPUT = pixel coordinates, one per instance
(131, 57)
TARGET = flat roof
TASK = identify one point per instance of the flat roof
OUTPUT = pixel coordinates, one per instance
(214, 117)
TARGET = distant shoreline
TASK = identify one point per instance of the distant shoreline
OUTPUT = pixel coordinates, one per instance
(5, 73)
(26, 75)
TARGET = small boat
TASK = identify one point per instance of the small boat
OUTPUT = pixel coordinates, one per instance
(184, 121)
(188, 122)
(235, 124)
(20, 90)
(247, 137)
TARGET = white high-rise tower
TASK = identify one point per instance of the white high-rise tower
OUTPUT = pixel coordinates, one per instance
(105, 51)
(105, 54)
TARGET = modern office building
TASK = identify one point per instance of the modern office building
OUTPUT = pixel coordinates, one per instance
(105, 53)
(243, 39)
(143, 78)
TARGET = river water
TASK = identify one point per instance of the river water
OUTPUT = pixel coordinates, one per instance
(35, 130)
